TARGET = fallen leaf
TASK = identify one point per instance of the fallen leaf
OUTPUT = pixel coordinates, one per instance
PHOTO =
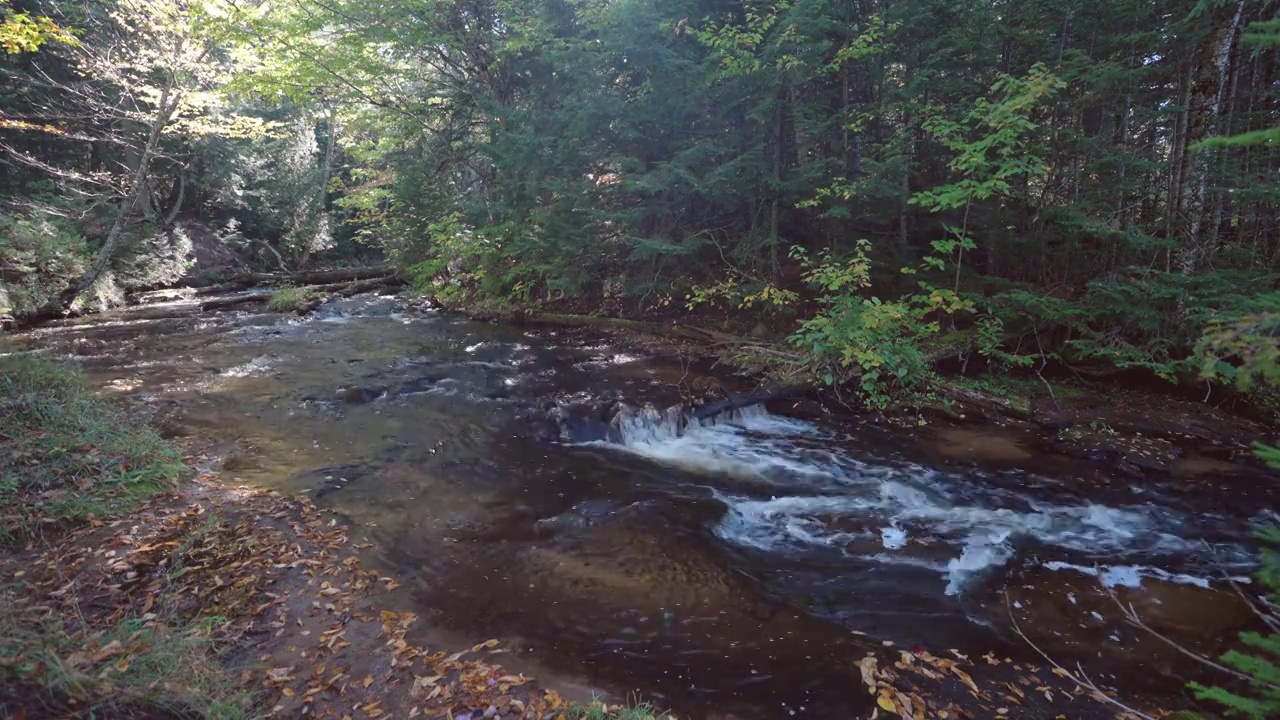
(868, 668)
(964, 678)
(111, 649)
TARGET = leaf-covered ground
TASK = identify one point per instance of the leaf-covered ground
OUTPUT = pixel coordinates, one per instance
(281, 602)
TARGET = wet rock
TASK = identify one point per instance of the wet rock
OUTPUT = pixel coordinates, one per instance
(418, 385)
(1054, 420)
(168, 428)
(804, 409)
(1208, 467)
(579, 517)
(490, 711)
(589, 422)
(1134, 455)
(237, 459)
(361, 395)
(978, 446)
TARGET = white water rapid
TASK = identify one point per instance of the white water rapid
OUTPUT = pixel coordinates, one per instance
(822, 499)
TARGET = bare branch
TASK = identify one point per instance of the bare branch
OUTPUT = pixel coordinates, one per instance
(1131, 615)
(1079, 677)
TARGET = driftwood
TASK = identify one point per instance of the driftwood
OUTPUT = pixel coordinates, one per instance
(328, 292)
(248, 280)
(317, 277)
(983, 401)
(323, 293)
(738, 402)
(241, 299)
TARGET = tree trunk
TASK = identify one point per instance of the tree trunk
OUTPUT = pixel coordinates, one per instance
(326, 173)
(1208, 89)
(137, 194)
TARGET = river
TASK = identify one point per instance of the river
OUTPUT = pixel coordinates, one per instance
(738, 566)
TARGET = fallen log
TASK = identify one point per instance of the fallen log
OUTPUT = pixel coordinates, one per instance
(739, 402)
(241, 299)
(983, 401)
(317, 277)
(328, 292)
(247, 280)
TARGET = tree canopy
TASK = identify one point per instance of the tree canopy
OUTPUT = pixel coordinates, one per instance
(1092, 183)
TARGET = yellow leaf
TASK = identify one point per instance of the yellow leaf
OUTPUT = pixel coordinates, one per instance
(886, 702)
(964, 678)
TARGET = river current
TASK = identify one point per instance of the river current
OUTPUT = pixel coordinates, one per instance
(543, 487)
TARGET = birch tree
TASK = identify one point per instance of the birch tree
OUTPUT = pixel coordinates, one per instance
(157, 71)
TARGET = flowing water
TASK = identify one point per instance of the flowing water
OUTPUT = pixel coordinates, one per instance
(531, 486)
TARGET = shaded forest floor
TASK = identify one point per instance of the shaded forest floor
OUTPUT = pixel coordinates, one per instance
(226, 602)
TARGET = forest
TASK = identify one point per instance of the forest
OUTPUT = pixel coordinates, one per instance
(935, 216)
(1084, 184)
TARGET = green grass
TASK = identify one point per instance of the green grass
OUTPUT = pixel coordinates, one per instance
(290, 299)
(599, 711)
(68, 456)
(133, 669)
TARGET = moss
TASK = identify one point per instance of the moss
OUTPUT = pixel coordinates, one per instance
(290, 299)
(68, 456)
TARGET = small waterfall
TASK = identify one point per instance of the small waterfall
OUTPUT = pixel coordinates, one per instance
(648, 425)
(789, 487)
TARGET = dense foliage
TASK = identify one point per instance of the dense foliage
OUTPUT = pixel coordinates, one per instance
(1083, 182)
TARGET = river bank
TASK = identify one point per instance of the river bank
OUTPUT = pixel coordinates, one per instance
(1140, 425)
(426, 436)
(138, 584)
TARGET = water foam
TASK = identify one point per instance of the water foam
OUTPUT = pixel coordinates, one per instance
(747, 442)
(896, 514)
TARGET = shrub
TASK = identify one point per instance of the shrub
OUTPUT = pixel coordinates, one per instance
(39, 258)
(878, 343)
(290, 299)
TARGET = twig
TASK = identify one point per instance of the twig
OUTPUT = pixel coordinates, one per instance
(1269, 617)
(1131, 615)
(1044, 362)
(1083, 681)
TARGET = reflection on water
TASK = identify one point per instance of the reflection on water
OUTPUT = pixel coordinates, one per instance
(531, 485)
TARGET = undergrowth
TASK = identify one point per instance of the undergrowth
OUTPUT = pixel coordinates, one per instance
(69, 457)
(600, 711)
(290, 299)
(136, 669)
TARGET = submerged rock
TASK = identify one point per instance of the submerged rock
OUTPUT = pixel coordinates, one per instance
(361, 395)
